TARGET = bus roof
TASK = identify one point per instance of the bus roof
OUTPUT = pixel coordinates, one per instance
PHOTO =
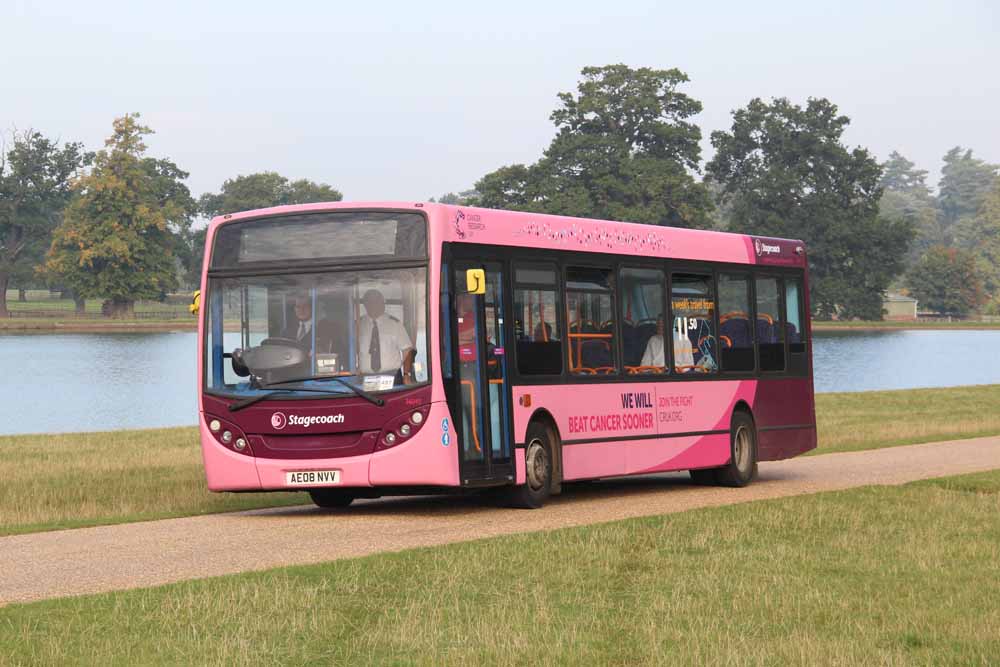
(467, 224)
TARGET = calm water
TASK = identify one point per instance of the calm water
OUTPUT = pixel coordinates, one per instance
(94, 382)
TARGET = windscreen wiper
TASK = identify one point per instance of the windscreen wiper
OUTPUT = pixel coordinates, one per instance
(247, 402)
(279, 386)
(375, 400)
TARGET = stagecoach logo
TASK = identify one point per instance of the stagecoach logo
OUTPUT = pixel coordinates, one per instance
(279, 421)
(765, 249)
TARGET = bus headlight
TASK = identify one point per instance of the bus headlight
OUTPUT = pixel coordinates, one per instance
(417, 417)
(227, 437)
(390, 439)
(404, 430)
(214, 426)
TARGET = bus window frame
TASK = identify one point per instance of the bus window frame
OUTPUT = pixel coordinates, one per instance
(616, 353)
(512, 266)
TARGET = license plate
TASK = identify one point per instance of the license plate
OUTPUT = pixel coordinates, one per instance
(312, 477)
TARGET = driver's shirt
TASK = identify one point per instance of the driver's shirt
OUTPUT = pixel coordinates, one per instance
(393, 343)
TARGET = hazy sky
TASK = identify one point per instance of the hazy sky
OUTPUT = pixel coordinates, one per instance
(389, 100)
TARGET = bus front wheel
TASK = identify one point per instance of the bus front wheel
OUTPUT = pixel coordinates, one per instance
(331, 498)
(538, 470)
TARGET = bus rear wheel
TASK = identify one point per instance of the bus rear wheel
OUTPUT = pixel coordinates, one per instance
(331, 498)
(742, 466)
(538, 470)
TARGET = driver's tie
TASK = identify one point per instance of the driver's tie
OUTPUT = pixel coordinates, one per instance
(375, 350)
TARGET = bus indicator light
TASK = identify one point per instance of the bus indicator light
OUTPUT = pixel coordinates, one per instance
(525, 401)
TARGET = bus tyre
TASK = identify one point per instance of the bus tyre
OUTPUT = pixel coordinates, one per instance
(331, 498)
(538, 470)
(742, 466)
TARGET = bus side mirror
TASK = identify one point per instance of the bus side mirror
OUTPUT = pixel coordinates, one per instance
(195, 302)
(475, 281)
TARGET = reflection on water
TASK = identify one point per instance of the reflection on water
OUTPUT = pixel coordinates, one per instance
(94, 382)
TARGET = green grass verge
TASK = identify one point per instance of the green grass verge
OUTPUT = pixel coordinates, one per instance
(87, 479)
(875, 419)
(40, 300)
(878, 575)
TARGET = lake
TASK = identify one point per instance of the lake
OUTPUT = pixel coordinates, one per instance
(93, 382)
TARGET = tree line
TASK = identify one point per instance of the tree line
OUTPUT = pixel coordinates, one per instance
(117, 224)
(114, 224)
(625, 148)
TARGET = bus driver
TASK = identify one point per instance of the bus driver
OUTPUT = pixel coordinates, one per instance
(385, 347)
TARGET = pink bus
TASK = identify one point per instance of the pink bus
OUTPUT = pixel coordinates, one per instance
(354, 350)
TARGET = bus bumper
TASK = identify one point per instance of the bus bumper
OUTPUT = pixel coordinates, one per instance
(428, 458)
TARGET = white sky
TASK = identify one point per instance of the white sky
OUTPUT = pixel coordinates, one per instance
(411, 100)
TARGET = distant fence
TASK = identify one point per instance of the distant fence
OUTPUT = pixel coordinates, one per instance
(68, 314)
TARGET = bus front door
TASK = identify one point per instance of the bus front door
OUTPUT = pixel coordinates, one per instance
(483, 391)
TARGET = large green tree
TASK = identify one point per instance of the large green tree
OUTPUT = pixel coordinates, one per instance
(786, 172)
(965, 181)
(35, 177)
(263, 190)
(625, 150)
(907, 197)
(946, 280)
(980, 235)
(118, 235)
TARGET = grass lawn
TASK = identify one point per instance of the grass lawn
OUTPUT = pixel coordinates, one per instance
(86, 479)
(41, 300)
(874, 419)
(878, 575)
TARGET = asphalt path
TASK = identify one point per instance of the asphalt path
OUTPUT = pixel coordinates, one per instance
(110, 558)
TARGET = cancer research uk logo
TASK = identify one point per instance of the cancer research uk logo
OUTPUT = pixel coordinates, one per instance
(764, 249)
(279, 420)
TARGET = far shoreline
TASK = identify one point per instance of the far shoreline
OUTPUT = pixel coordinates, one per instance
(40, 326)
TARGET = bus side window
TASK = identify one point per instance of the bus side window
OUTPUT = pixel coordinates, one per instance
(769, 329)
(735, 328)
(536, 323)
(798, 362)
(692, 304)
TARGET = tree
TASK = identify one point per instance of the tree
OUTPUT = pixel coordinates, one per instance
(945, 279)
(980, 234)
(117, 238)
(965, 180)
(786, 173)
(463, 198)
(263, 190)
(906, 197)
(624, 150)
(35, 177)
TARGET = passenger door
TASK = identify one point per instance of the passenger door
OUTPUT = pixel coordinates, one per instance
(482, 391)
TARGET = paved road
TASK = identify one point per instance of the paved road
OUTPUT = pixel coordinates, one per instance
(90, 560)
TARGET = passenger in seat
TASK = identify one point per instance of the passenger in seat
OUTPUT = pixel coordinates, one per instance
(654, 354)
